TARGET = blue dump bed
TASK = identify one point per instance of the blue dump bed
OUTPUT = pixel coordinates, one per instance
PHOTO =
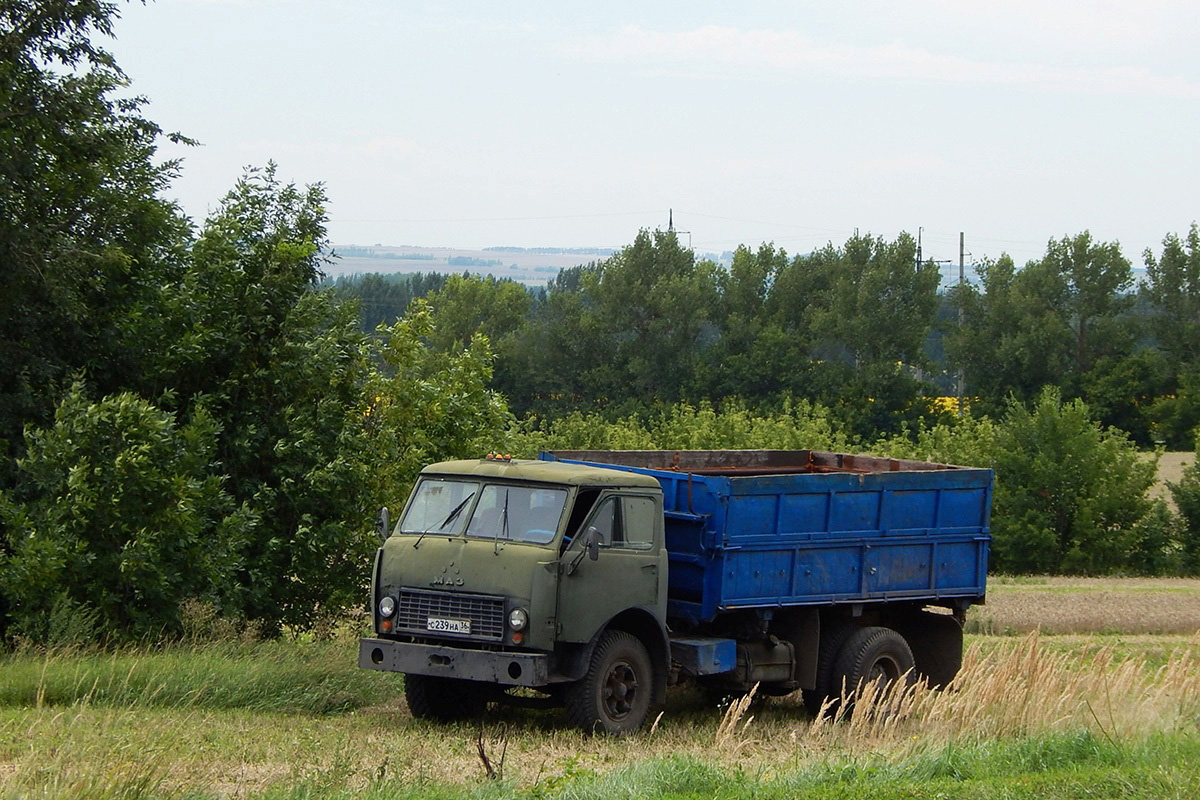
(773, 528)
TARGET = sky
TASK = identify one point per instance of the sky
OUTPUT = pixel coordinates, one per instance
(538, 124)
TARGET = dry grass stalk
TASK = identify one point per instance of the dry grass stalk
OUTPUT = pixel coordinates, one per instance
(1025, 690)
(728, 734)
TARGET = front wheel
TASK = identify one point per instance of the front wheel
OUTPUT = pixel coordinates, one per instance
(614, 696)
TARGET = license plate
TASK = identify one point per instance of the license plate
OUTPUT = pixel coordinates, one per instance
(448, 625)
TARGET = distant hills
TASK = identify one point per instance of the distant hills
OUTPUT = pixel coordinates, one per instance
(533, 266)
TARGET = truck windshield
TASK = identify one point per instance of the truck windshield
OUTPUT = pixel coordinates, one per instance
(517, 513)
(439, 506)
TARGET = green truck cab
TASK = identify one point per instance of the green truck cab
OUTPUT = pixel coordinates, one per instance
(504, 573)
(597, 579)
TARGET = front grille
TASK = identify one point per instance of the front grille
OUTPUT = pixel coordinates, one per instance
(485, 613)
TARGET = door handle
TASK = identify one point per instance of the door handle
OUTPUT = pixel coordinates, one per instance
(651, 567)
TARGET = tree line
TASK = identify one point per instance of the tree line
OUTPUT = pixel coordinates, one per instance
(862, 328)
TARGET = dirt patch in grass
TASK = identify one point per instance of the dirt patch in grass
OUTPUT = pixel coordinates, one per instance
(1089, 605)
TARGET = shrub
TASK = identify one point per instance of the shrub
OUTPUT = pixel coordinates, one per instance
(969, 441)
(112, 518)
(1187, 499)
(1069, 494)
(797, 425)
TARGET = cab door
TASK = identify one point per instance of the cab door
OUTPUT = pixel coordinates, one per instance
(630, 570)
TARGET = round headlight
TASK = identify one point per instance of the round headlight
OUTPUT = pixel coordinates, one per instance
(387, 606)
(518, 618)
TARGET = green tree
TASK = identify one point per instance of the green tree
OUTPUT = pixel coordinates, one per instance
(383, 299)
(1173, 285)
(1186, 494)
(630, 331)
(1010, 340)
(1060, 321)
(1095, 279)
(1123, 391)
(756, 355)
(1069, 494)
(283, 367)
(499, 309)
(864, 311)
(554, 360)
(796, 426)
(85, 239)
(1176, 415)
(228, 454)
(469, 304)
(118, 519)
(653, 308)
(426, 405)
(969, 441)
(879, 304)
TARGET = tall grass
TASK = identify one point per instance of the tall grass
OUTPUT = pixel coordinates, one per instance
(313, 678)
(292, 719)
(1025, 690)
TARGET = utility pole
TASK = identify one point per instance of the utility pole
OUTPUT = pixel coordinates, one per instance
(961, 252)
(671, 227)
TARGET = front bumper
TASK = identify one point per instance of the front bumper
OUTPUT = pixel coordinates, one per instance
(488, 666)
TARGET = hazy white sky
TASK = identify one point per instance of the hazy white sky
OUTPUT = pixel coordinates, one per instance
(473, 124)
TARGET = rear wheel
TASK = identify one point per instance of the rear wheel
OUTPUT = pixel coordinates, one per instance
(874, 655)
(614, 696)
(444, 699)
(833, 637)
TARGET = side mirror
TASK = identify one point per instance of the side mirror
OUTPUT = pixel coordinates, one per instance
(593, 543)
(383, 525)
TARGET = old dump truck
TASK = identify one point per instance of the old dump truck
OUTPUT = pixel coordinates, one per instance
(599, 578)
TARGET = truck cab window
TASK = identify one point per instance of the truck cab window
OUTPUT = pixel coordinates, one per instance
(517, 513)
(607, 520)
(638, 516)
(584, 502)
(438, 506)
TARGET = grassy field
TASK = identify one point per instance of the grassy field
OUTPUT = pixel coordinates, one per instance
(1170, 470)
(1111, 711)
(1140, 606)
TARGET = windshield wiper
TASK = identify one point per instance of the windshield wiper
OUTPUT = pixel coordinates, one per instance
(453, 515)
(503, 524)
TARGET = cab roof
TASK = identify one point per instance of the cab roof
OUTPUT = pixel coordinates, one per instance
(542, 471)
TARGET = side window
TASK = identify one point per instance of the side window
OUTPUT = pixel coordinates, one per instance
(638, 517)
(579, 513)
(607, 520)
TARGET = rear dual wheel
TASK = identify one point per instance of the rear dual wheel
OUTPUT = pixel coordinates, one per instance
(833, 636)
(873, 659)
(853, 658)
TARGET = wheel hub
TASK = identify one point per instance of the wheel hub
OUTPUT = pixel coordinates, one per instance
(620, 688)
